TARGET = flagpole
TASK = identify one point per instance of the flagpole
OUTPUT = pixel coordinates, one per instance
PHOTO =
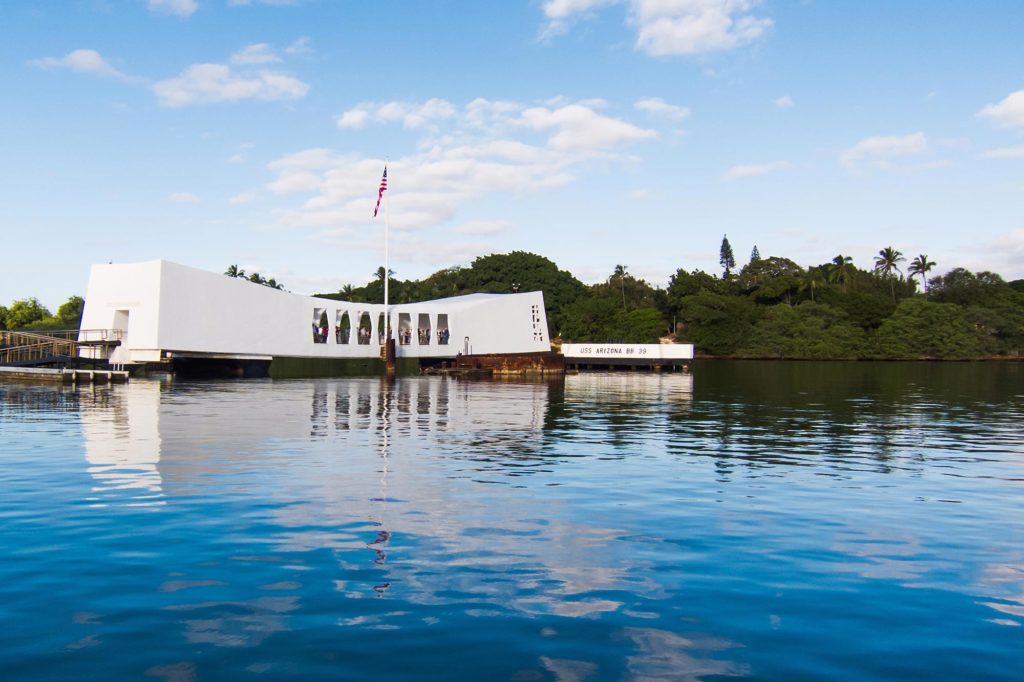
(387, 276)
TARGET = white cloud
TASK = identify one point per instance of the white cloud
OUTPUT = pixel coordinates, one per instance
(658, 106)
(353, 118)
(205, 83)
(185, 198)
(411, 115)
(179, 8)
(242, 198)
(579, 128)
(299, 46)
(1007, 114)
(239, 156)
(1016, 152)
(484, 227)
(560, 13)
(755, 170)
(260, 53)
(246, 3)
(1003, 254)
(82, 61)
(880, 148)
(671, 27)
(563, 9)
(466, 152)
(689, 27)
(784, 102)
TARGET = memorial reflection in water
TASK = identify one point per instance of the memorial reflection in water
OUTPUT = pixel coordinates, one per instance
(780, 520)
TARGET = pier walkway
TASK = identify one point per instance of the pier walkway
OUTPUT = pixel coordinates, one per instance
(53, 348)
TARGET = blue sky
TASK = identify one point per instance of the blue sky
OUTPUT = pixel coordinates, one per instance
(593, 132)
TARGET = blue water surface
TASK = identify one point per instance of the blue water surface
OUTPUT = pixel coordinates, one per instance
(775, 521)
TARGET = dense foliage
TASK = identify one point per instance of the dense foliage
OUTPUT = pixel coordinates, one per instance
(770, 308)
(30, 315)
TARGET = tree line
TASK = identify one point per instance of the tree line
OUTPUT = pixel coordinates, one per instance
(29, 314)
(771, 307)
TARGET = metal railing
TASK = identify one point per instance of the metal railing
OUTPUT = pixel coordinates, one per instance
(20, 347)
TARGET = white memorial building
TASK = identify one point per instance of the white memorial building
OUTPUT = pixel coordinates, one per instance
(162, 311)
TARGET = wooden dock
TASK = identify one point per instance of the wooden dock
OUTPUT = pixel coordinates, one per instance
(64, 375)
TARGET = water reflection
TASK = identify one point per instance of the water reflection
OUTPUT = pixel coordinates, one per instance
(605, 525)
(122, 441)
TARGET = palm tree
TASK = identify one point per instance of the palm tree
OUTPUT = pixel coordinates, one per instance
(920, 266)
(811, 279)
(840, 270)
(885, 263)
(620, 272)
(274, 284)
(346, 291)
(234, 271)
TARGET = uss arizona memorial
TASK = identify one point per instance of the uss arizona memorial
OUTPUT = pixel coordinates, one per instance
(159, 312)
(162, 311)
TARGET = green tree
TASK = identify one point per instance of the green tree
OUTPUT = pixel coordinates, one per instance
(920, 328)
(770, 280)
(866, 309)
(841, 270)
(755, 255)
(920, 267)
(965, 288)
(497, 273)
(717, 323)
(631, 292)
(234, 271)
(725, 257)
(1000, 324)
(643, 325)
(69, 314)
(24, 312)
(592, 320)
(811, 280)
(886, 262)
(620, 272)
(683, 284)
(809, 331)
(3, 317)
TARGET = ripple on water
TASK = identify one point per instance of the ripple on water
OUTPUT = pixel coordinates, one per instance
(767, 520)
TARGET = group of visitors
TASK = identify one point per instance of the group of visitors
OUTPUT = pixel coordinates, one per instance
(341, 335)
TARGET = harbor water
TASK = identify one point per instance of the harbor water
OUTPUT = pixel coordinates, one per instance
(751, 520)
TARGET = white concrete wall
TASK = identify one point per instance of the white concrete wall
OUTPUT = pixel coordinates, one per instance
(178, 309)
(131, 287)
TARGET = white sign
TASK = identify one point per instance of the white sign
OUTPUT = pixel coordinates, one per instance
(630, 351)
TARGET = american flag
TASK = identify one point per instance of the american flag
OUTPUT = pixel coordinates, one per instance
(380, 192)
